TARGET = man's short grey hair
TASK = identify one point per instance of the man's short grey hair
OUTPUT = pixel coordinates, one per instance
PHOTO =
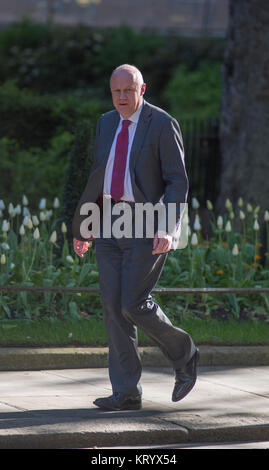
(131, 68)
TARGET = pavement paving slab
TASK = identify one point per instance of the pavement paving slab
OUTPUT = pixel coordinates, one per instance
(53, 409)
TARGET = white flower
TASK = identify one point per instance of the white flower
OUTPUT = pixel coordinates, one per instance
(228, 204)
(25, 220)
(241, 215)
(266, 216)
(22, 231)
(195, 203)
(53, 237)
(256, 211)
(42, 204)
(36, 234)
(35, 220)
(29, 223)
(194, 239)
(5, 226)
(189, 231)
(70, 335)
(12, 265)
(26, 212)
(196, 224)
(5, 246)
(10, 208)
(240, 202)
(3, 259)
(69, 259)
(63, 228)
(56, 203)
(235, 250)
(18, 209)
(2, 204)
(49, 214)
(220, 222)
(228, 227)
(42, 216)
(24, 200)
(249, 207)
(256, 225)
(13, 213)
(209, 205)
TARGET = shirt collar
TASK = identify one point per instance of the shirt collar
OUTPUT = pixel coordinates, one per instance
(135, 117)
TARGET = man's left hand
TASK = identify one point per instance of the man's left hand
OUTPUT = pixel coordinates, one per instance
(162, 243)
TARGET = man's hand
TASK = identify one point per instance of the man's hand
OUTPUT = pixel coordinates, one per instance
(80, 247)
(162, 243)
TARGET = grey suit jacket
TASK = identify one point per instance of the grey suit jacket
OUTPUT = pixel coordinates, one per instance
(157, 166)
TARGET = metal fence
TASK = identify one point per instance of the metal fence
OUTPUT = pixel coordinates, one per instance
(160, 290)
(203, 158)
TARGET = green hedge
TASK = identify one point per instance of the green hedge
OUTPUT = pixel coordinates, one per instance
(35, 172)
(76, 176)
(195, 93)
(37, 132)
(27, 118)
(54, 78)
(32, 120)
(59, 58)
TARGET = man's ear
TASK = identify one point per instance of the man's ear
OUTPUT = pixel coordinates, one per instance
(143, 89)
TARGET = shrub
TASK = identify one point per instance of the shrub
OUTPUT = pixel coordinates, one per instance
(37, 133)
(32, 120)
(35, 172)
(57, 59)
(80, 161)
(195, 93)
(25, 117)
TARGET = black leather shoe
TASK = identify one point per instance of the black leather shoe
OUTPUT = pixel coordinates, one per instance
(119, 402)
(185, 378)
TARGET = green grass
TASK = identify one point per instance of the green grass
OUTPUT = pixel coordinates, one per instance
(91, 332)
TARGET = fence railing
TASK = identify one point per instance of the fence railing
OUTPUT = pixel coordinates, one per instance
(202, 157)
(159, 290)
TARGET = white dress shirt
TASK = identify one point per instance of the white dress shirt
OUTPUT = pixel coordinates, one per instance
(128, 190)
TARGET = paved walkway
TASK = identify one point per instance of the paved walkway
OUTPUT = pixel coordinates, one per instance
(52, 408)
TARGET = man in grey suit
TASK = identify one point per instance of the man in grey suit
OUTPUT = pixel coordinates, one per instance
(138, 158)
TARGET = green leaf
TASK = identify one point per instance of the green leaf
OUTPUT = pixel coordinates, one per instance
(74, 310)
(7, 310)
(234, 304)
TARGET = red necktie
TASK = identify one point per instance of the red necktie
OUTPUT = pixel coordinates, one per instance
(117, 183)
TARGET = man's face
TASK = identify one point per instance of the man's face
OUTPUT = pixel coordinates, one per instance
(127, 95)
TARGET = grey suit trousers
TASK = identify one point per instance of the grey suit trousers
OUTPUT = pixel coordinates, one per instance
(128, 271)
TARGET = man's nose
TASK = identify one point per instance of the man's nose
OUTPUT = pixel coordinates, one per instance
(122, 94)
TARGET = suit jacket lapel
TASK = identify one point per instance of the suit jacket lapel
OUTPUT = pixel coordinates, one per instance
(108, 135)
(141, 130)
(142, 127)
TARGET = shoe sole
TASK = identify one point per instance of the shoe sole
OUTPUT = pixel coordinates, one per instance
(135, 406)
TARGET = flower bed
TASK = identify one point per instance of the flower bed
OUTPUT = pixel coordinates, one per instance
(31, 254)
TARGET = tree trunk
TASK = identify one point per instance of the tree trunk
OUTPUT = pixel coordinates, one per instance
(244, 127)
